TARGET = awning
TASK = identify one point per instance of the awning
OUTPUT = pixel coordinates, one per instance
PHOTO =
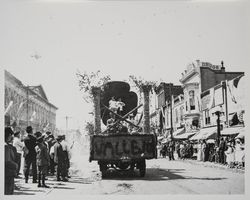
(185, 135)
(178, 132)
(231, 130)
(205, 133)
(160, 138)
(242, 133)
(165, 140)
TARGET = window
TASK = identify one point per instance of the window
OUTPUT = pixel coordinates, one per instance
(167, 117)
(176, 115)
(207, 117)
(161, 100)
(192, 100)
(181, 113)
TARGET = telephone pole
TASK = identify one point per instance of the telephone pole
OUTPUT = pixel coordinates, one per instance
(67, 118)
(171, 112)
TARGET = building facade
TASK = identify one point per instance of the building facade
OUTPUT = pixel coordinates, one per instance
(205, 89)
(165, 94)
(27, 106)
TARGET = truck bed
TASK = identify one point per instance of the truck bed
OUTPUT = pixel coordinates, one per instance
(122, 146)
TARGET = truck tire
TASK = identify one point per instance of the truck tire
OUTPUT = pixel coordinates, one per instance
(142, 168)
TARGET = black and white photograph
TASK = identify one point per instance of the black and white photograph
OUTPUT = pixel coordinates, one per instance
(124, 98)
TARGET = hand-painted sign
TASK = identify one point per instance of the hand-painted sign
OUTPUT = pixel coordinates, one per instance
(117, 147)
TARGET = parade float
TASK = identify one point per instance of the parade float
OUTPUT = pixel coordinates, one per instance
(124, 144)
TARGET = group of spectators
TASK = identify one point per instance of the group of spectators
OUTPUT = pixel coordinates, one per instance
(43, 152)
(228, 151)
(168, 150)
(183, 149)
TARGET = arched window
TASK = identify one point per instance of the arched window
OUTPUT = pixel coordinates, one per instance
(192, 100)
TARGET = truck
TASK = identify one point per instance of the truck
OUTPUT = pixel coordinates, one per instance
(119, 147)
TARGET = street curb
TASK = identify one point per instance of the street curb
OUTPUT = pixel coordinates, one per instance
(214, 165)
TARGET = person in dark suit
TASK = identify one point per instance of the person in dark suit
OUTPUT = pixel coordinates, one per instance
(222, 149)
(171, 150)
(30, 157)
(10, 164)
(42, 161)
(51, 141)
(59, 159)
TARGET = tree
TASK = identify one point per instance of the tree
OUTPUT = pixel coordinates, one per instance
(90, 84)
(89, 128)
(144, 87)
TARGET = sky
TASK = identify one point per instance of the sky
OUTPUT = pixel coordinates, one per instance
(47, 41)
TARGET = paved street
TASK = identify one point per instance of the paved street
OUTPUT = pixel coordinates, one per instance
(162, 177)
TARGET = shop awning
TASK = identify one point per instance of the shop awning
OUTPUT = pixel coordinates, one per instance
(178, 132)
(205, 133)
(242, 133)
(231, 130)
(160, 138)
(165, 140)
(185, 135)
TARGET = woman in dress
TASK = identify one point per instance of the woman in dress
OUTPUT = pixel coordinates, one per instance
(230, 155)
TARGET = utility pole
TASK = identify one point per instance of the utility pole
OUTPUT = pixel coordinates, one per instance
(171, 112)
(224, 89)
(67, 118)
(27, 90)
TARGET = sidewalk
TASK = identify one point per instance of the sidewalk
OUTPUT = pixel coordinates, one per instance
(212, 165)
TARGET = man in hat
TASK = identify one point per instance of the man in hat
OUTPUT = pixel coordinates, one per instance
(59, 159)
(30, 157)
(50, 141)
(42, 161)
(19, 147)
(10, 164)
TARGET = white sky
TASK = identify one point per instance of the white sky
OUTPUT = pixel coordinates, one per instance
(153, 39)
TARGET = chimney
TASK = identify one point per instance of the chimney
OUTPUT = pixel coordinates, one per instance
(222, 67)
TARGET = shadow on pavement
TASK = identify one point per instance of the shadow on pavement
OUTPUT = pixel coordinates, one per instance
(26, 191)
(154, 174)
(80, 180)
(63, 187)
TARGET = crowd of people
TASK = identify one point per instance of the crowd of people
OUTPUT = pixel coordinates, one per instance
(228, 151)
(44, 153)
(183, 149)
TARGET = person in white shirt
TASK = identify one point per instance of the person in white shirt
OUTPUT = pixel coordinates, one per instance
(120, 106)
(113, 104)
(19, 147)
